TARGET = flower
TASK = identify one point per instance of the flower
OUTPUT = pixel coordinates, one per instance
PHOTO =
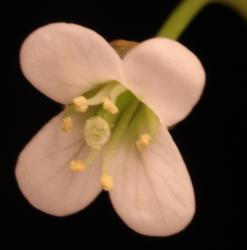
(107, 137)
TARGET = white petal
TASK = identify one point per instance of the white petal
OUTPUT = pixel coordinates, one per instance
(166, 76)
(152, 191)
(65, 60)
(44, 176)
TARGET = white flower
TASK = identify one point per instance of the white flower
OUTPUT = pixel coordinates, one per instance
(109, 138)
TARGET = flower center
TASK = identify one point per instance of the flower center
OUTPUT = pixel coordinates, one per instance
(110, 113)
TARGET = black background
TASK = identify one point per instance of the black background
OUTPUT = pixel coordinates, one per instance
(206, 138)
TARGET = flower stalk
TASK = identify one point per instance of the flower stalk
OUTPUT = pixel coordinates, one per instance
(187, 10)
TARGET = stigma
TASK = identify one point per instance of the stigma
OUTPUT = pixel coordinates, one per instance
(96, 132)
(77, 166)
(143, 141)
(66, 124)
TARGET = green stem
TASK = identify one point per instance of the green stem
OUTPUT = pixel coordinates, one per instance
(187, 10)
(240, 6)
(181, 18)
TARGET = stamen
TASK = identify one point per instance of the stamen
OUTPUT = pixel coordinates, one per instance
(77, 166)
(66, 124)
(97, 132)
(109, 106)
(106, 182)
(143, 141)
(99, 97)
(118, 132)
(80, 104)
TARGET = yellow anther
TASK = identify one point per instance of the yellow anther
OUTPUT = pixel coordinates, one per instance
(106, 182)
(77, 166)
(80, 103)
(66, 124)
(143, 141)
(109, 106)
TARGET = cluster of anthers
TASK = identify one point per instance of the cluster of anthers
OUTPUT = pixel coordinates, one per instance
(102, 123)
